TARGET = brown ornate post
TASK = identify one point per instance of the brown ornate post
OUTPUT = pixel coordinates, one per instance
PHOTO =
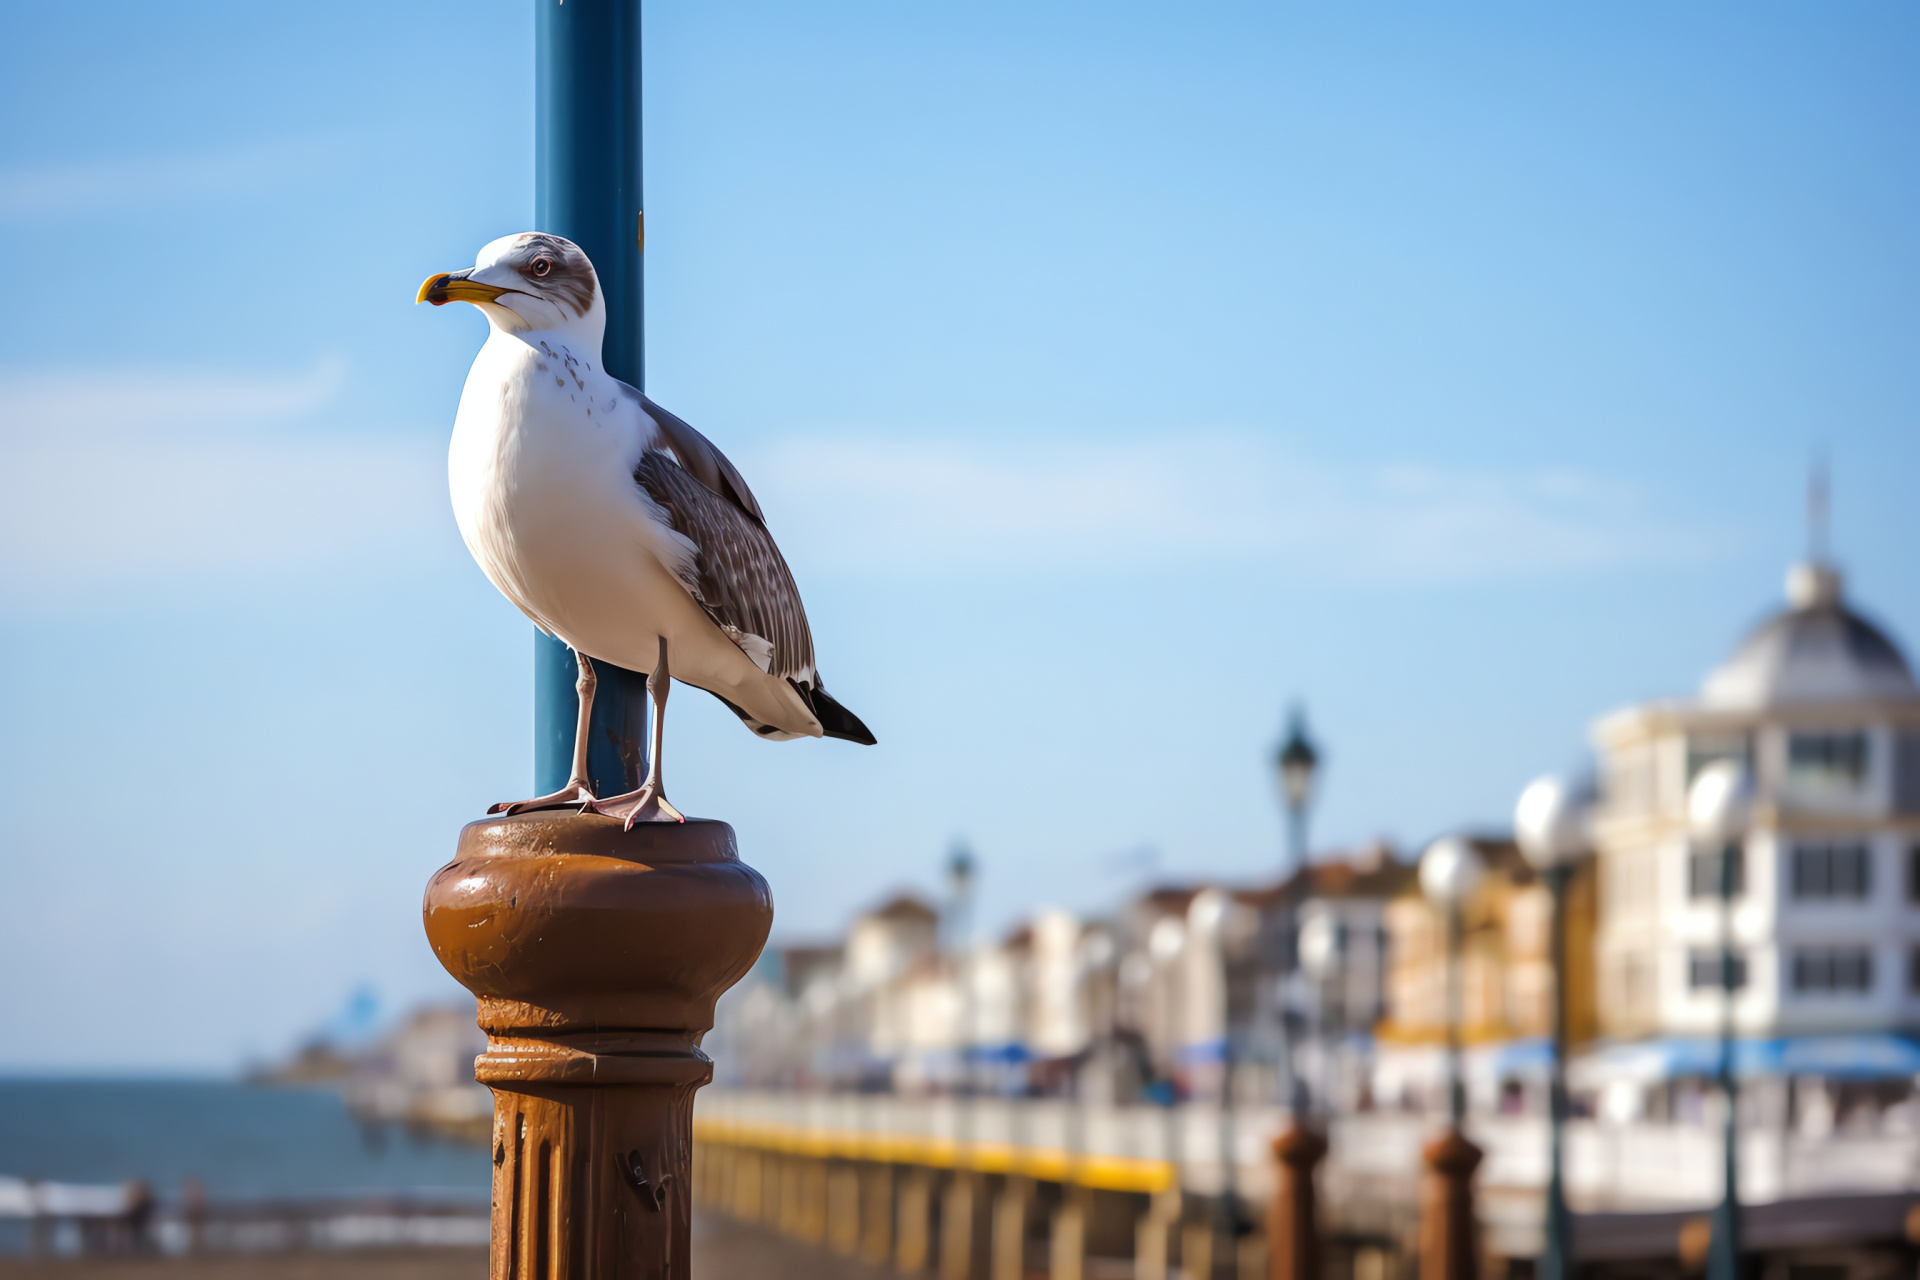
(1293, 1227)
(1449, 1232)
(596, 955)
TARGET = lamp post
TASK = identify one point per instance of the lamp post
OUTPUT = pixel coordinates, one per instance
(1293, 1229)
(1317, 944)
(960, 868)
(959, 1201)
(1719, 811)
(1209, 921)
(1293, 1232)
(1296, 764)
(1553, 824)
(586, 161)
(1449, 873)
(594, 953)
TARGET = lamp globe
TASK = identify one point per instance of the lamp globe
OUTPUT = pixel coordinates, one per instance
(1296, 762)
(1450, 871)
(1553, 822)
(1720, 802)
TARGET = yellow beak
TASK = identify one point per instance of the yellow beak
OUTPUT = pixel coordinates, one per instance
(455, 287)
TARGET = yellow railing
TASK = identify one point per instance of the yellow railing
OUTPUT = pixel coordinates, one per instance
(1042, 1164)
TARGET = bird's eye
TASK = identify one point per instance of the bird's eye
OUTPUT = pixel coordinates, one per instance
(542, 267)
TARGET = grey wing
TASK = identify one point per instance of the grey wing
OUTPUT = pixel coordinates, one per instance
(740, 577)
(699, 456)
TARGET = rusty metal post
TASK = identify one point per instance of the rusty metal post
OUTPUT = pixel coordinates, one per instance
(595, 955)
(1293, 1226)
(1449, 1231)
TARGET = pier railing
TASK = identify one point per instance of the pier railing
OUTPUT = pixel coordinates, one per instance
(888, 1176)
(67, 1219)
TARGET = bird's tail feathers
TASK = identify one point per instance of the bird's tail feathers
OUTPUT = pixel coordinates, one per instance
(835, 720)
(771, 732)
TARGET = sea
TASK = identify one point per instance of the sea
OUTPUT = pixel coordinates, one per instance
(240, 1141)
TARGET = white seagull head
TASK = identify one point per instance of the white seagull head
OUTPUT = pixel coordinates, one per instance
(527, 283)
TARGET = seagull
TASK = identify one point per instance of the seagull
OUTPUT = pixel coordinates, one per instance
(613, 524)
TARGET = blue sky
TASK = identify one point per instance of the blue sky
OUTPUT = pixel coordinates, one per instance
(1112, 374)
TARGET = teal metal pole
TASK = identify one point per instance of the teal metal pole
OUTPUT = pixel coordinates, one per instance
(1557, 1262)
(587, 188)
(1724, 1261)
(1456, 1075)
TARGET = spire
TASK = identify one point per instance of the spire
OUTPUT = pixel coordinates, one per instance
(1815, 583)
(1817, 510)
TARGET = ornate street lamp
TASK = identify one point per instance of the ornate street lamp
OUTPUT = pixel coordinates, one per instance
(1319, 951)
(1208, 921)
(1293, 1235)
(960, 869)
(1449, 873)
(1553, 824)
(1296, 765)
(1719, 812)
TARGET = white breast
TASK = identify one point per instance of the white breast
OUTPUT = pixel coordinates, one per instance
(540, 470)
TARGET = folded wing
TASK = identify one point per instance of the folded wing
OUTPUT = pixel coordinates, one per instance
(701, 458)
(739, 576)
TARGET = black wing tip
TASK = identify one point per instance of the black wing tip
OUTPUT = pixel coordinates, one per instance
(835, 720)
(854, 732)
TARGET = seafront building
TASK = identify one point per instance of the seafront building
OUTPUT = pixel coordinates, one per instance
(1506, 988)
(1122, 1073)
(1144, 1004)
(1821, 706)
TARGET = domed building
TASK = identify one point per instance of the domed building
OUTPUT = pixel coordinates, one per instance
(1822, 707)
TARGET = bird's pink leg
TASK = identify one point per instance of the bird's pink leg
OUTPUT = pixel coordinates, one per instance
(578, 791)
(649, 803)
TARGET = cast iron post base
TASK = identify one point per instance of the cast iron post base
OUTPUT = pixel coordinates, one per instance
(1293, 1228)
(1449, 1230)
(596, 955)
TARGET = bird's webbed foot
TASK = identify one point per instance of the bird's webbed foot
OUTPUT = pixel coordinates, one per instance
(648, 804)
(577, 794)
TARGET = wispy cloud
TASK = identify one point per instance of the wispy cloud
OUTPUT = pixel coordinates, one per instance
(135, 399)
(1220, 499)
(123, 182)
(110, 477)
(114, 478)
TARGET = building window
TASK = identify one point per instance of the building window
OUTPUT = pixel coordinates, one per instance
(1832, 871)
(1906, 773)
(1913, 970)
(1704, 749)
(1827, 760)
(1833, 969)
(1703, 969)
(1913, 873)
(1705, 869)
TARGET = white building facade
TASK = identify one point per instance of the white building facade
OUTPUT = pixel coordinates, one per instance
(1822, 707)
